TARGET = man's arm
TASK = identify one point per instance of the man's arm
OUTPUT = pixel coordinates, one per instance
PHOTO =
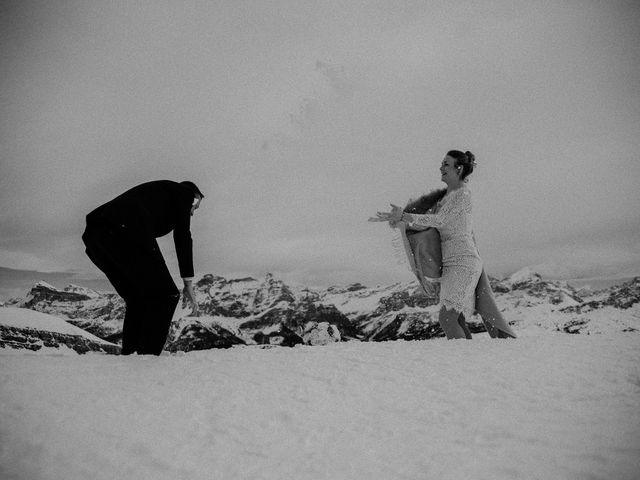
(184, 252)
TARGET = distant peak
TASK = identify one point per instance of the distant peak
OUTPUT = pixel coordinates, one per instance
(71, 288)
(43, 284)
(523, 275)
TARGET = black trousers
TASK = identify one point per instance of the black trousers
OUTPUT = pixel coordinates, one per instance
(135, 267)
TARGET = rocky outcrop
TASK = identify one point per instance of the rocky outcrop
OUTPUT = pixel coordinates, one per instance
(322, 334)
(241, 298)
(278, 335)
(402, 313)
(33, 340)
(191, 335)
(405, 326)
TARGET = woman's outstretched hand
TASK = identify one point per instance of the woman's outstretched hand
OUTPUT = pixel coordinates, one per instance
(394, 216)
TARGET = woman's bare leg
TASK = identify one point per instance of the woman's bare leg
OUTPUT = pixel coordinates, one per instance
(465, 328)
(453, 324)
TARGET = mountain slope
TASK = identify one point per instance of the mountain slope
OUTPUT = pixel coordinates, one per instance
(23, 329)
(267, 311)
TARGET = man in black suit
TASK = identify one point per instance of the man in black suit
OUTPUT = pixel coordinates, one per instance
(121, 240)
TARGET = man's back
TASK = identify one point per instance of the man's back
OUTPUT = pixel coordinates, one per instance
(151, 210)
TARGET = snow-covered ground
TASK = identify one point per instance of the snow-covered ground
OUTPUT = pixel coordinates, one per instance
(548, 406)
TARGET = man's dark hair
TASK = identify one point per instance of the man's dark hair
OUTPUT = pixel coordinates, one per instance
(193, 187)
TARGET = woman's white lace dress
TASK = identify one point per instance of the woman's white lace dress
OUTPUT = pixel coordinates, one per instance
(461, 264)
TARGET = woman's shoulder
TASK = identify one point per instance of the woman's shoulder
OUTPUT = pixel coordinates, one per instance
(459, 196)
(459, 193)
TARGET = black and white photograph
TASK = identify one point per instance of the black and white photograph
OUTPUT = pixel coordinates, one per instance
(319, 239)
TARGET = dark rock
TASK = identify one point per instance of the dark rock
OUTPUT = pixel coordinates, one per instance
(281, 336)
(575, 326)
(354, 287)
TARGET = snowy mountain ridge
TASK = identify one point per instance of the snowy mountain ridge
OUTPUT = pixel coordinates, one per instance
(28, 330)
(267, 311)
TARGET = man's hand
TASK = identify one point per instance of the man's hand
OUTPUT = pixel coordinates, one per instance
(190, 296)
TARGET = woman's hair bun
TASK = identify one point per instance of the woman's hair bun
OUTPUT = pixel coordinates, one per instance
(471, 157)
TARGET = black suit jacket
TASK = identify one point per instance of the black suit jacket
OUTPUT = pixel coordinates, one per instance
(152, 210)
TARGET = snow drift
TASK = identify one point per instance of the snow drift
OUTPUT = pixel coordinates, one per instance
(539, 407)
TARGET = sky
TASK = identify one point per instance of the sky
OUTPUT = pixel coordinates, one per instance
(300, 119)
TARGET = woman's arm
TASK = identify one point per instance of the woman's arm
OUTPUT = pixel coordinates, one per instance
(425, 220)
(458, 203)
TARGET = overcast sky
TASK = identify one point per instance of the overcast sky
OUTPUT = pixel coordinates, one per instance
(299, 119)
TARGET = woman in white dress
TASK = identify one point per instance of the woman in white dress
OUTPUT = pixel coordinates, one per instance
(461, 263)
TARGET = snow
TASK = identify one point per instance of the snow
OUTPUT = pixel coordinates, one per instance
(231, 324)
(43, 284)
(542, 406)
(361, 301)
(533, 320)
(25, 318)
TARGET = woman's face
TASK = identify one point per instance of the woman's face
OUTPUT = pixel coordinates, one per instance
(448, 171)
